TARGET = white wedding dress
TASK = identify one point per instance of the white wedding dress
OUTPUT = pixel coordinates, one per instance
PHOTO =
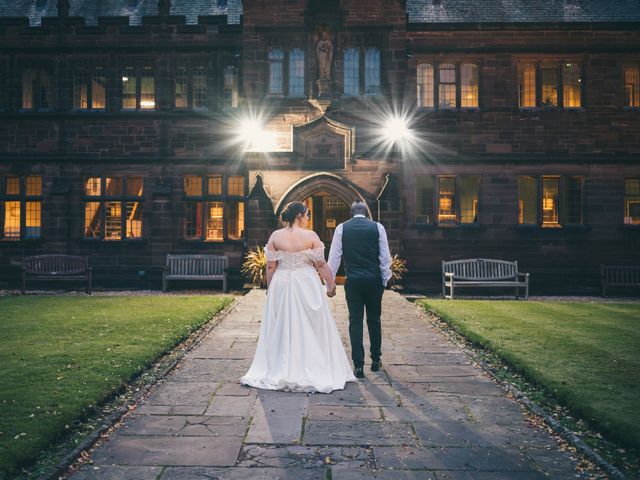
(299, 348)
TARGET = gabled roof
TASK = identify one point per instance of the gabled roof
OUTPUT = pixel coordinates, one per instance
(522, 11)
(35, 10)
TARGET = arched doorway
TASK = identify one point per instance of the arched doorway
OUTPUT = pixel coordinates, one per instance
(328, 197)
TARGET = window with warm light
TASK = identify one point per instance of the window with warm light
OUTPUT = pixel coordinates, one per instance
(89, 87)
(214, 207)
(425, 85)
(550, 201)
(632, 86)
(571, 85)
(632, 200)
(190, 86)
(20, 207)
(113, 208)
(138, 87)
(448, 86)
(549, 84)
(37, 89)
(527, 85)
(456, 201)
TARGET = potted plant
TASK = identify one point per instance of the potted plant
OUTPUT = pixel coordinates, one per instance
(398, 269)
(255, 266)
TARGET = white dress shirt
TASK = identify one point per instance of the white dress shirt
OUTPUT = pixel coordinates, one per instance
(335, 254)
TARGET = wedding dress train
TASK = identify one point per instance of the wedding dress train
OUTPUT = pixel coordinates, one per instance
(299, 348)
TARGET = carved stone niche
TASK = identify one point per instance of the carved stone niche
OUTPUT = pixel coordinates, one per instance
(323, 144)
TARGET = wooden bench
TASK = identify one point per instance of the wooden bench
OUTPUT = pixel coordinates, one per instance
(619, 276)
(482, 272)
(195, 267)
(58, 267)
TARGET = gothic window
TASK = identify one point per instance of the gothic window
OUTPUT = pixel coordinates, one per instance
(138, 87)
(447, 200)
(230, 87)
(37, 89)
(632, 86)
(425, 82)
(212, 212)
(632, 201)
(527, 85)
(113, 208)
(190, 86)
(571, 85)
(550, 201)
(447, 86)
(352, 71)
(372, 81)
(21, 207)
(89, 87)
(276, 68)
(296, 72)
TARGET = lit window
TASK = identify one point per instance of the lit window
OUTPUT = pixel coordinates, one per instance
(425, 85)
(632, 201)
(550, 196)
(549, 84)
(571, 85)
(89, 88)
(210, 214)
(352, 71)
(181, 86)
(113, 207)
(21, 207)
(469, 85)
(527, 200)
(236, 185)
(296, 73)
(372, 81)
(37, 89)
(447, 86)
(190, 87)
(276, 83)
(447, 209)
(138, 87)
(632, 86)
(231, 87)
(214, 221)
(527, 85)
(425, 186)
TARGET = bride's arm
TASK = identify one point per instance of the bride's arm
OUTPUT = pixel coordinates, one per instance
(271, 265)
(323, 268)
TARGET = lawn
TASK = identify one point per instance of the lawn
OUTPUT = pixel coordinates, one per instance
(60, 356)
(586, 354)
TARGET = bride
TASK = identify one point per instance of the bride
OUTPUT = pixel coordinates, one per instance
(299, 348)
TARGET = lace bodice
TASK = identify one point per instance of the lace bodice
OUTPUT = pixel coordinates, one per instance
(294, 260)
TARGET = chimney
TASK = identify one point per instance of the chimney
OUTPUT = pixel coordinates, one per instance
(63, 8)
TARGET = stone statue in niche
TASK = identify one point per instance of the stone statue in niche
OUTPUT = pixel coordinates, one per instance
(324, 52)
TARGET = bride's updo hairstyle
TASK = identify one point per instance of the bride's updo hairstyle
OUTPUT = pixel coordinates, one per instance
(291, 212)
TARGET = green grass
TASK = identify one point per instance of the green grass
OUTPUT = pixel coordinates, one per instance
(62, 356)
(587, 355)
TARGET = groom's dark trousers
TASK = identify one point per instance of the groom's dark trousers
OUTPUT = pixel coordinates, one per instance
(363, 287)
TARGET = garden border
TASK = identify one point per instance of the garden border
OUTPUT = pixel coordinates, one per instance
(184, 347)
(472, 351)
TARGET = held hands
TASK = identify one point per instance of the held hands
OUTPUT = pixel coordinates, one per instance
(331, 290)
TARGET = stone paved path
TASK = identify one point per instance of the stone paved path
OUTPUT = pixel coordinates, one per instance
(430, 414)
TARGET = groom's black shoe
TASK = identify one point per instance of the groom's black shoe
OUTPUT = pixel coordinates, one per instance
(375, 366)
(358, 372)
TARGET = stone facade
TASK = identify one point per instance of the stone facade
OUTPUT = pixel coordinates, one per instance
(326, 143)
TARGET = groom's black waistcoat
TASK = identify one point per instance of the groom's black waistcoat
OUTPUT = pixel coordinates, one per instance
(360, 248)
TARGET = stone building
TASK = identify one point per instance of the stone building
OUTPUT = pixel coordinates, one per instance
(130, 129)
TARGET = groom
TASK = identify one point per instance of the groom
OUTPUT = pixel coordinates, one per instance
(367, 264)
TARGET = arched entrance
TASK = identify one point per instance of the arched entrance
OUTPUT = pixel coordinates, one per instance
(328, 197)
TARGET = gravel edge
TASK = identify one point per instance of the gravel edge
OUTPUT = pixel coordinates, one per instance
(62, 467)
(563, 431)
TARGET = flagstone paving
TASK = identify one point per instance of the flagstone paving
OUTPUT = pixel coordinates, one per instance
(429, 414)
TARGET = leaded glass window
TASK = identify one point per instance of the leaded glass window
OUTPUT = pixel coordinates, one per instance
(89, 88)
(296, 72)
(37, 89)
(469, 85)
(372, 81)
(425, 85)
(138, 87)
(231, 87)
(447, 86)
(571, 85)
(549, 84)
(527, 200)
(20, 207)
(527, 85)
(352, 71)
(425, 187)
(632, 86)
(632, 201)
(276, 79)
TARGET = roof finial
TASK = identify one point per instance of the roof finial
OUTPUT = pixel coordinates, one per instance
(63, 8)
(164, 8)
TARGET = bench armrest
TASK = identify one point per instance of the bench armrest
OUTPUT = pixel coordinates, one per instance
(525, 275)
(449, 274)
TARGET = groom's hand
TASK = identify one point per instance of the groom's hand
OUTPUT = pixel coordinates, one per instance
(331, 292)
